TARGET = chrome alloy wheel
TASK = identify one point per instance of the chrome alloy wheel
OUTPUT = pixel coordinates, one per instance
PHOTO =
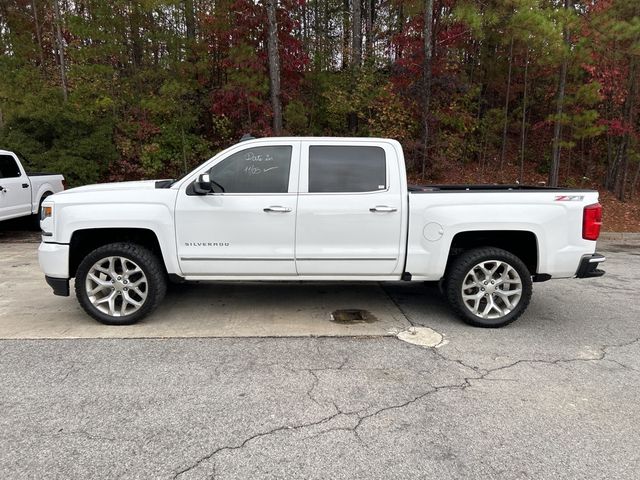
(116, 286)
(491, 289)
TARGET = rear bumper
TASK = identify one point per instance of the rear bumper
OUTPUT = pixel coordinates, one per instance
(60, 285)
(588, 267)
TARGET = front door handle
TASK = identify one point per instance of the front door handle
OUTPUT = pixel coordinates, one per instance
(277, 208)
(383, 208)
(2, 189)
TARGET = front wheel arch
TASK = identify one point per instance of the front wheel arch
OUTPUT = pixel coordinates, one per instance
(84, 241)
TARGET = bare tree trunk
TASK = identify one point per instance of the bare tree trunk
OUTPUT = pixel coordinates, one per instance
(136, 44)
(189, 19)
(623, 167)
(399, 49)
(629, 118)
(582, 164)
(274, 66)
(356, 57)
(369, 15)
(305, 28)
(356, 33)
(612, 173)
(184, 151)
(316, 32)
(426, 78)
(554, 171)
(524, 117)
(324, 40)
(483, 149)
(63, 67)
(636, 177)
(38, 32)
(608, 184)
(346, 30)
(155, 47)
(609, 159)
(506, 108)
(471, 68)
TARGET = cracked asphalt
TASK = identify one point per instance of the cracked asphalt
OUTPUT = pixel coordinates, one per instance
(554, 395)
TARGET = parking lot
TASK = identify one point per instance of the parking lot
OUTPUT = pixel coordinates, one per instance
(257, 381)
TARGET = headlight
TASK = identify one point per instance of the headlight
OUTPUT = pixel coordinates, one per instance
(46, 212)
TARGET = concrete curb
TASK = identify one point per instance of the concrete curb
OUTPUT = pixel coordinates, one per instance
(620, 237)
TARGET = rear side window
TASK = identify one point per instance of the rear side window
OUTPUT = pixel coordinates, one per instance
(346, 169)
(8, 167)
(254, 170)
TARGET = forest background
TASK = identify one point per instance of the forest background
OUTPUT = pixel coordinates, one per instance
(529, 91)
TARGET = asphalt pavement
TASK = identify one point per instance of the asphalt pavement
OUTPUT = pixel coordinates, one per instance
(554, 395)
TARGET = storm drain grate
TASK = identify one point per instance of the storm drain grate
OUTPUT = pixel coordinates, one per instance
(350, 316)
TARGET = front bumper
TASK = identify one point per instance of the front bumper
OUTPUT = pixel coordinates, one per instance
(54, 262)
(588, 267)
(60, 285)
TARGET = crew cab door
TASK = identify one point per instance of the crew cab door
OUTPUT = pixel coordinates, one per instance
(250, 228)
(15, 191)
(350, 209)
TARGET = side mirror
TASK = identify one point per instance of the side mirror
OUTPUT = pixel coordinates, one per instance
(202, 186)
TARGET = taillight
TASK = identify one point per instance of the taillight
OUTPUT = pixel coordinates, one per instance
(592, 221)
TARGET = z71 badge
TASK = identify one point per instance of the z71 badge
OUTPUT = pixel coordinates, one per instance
(569, 198)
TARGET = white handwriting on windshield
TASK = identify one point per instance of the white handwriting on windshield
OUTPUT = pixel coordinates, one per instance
(252, 159)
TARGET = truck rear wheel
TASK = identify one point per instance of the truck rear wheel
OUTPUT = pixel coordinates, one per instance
(488, 287)
(120, 283)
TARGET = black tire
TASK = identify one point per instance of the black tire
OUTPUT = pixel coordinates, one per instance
(145, 259)
(462, 266)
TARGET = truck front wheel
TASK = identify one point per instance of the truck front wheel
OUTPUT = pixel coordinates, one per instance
(120, 283)
(488, 287)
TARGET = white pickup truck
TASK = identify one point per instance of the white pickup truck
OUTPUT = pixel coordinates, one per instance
(315, 209)
(22, 194)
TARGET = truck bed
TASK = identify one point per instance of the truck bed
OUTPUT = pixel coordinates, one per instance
(41, 174)
(489, 188)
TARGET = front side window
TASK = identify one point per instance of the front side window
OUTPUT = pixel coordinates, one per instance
(334, 168)
(254, 170)
(8, 167)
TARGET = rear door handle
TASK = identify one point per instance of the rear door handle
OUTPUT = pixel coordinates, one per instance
(25, 185)
(383, 208)
(277, 208)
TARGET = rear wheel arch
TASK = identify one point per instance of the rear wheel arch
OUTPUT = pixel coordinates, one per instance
(46, 194)
(43, 197)
(521, 243)
(37, 214)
